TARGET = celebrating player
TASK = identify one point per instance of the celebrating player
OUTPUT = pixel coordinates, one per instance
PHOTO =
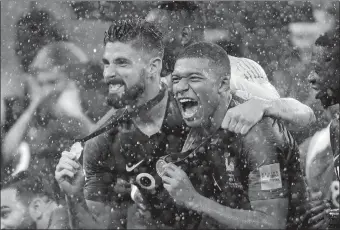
(182, 24)
(255, 180)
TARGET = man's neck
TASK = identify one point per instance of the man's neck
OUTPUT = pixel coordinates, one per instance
(150, 92)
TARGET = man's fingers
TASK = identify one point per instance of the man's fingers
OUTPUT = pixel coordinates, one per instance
(232, 125)
(63, 173)
(172, 166)
(238, 127)
(70, 162)
(226, 121)
(67, 154)
(317, 217)
(245, 129)
(167, 187)
(321, 225)
(317, 209)
(61, 166)
(169, 172)
(167, 180)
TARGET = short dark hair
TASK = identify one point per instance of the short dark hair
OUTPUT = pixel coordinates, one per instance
(191, 12)
(215, 53)
(331, 41)
(142, 34)
(35, 30)
(29, 186)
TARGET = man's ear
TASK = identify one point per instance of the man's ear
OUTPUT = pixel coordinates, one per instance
(186, 35)
(225, 84)
(155, 66)
(36, 208)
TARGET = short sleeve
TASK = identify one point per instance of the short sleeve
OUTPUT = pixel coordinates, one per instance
(268, 154)
(99, 173)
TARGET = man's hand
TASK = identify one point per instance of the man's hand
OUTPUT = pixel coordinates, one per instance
(39, 93)
(69, 102)
(241, 118)
(177, 183)
(69, 173)
(316, 216)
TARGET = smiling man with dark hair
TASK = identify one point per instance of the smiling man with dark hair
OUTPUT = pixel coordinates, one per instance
(182, 24)
(253, 183)
(148, 127)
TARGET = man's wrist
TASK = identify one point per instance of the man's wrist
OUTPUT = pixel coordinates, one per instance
(195, 202)
(266, 106)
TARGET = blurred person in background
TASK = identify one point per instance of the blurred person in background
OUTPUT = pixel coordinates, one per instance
(182, 23)
(28, 202)
(50, 113)
(322, 160)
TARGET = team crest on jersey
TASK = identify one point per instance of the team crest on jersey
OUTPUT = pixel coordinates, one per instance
(229, 162)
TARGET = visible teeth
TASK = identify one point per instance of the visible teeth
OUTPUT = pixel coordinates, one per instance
(185, 100)
(114, 87)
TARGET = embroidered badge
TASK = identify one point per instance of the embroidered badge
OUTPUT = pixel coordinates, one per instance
(270, 176)
(229, 162)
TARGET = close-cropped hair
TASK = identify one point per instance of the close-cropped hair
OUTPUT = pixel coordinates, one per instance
(140, 33)
(214, 53)
(331, 41)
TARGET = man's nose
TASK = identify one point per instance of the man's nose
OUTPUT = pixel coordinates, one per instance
(182, 86)
(109, 72)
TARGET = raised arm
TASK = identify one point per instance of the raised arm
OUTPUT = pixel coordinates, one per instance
(262, 99)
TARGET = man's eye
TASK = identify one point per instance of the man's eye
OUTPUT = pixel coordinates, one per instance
(175, 79)
(4, 214)
(195, 79)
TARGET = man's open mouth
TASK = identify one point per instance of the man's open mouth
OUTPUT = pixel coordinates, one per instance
(189, 107)
(115, 88)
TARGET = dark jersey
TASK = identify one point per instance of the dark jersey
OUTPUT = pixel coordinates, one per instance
(127, 153)
(263, 164)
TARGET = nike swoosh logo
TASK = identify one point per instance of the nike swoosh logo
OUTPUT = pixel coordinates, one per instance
(129, 169)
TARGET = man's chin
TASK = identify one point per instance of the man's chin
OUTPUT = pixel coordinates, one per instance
(116, 103)
(193, 122)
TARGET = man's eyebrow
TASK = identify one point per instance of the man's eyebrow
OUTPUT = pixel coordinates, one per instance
(4, 207)
(188, 74)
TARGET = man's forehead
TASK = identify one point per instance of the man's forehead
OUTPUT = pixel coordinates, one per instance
(189, 65)
(115, 49)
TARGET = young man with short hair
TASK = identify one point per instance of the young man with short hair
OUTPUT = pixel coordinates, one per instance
(182, 24)
(255, 180)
